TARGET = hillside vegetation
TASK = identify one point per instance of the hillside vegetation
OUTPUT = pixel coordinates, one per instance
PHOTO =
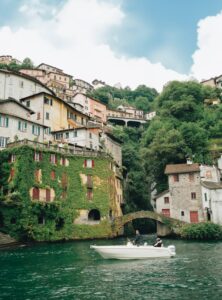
(184, 127)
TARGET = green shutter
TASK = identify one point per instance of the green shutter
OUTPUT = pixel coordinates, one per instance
(25, 125)
(33, 129)
(38, 130)
(7, 122)
(19, 125)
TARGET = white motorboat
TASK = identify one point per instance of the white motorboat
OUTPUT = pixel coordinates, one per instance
(131, 251)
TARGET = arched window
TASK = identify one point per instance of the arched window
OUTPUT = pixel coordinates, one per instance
(94, 215)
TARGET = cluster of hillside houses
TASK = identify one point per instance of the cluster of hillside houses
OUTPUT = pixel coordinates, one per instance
(48, 106)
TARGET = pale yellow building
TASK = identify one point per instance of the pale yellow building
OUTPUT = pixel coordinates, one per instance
(54, 112)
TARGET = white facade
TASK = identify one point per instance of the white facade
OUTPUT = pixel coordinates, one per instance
(150, 115)
(18, 86)
(82, 137)
(16, 124)
(209, 173)
(212, 201)
(84, 101)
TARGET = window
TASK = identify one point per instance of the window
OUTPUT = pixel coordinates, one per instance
(38, 156)
(3, 121)
(89, 163)
(63, 161)
(41, 220)
(3, 142)
(67, 135)
(12, 158)
(166, 200)
(89, 181)
(47, 130)
(22, 126)
(53, 175)
(166, 212)
(89, 193)
(193, 195)
(47, 116)
(35, 193)
(36, 129)
(205, 196)
(38, 176)
(182, 213)
(175, 177)
(191, 177)
(75, 133)
(47, 101)
(48, 195)
(53, 158)
(64, 181)
(59, 136)
(28, 103)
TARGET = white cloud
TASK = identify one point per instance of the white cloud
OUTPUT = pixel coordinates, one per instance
(73, 38)
(207, 59)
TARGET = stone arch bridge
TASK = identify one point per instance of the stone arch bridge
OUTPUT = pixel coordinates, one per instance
(165, 225)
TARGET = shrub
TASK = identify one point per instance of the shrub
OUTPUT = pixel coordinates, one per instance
(201, 231)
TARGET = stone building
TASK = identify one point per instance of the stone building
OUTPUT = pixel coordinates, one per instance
(183, 201)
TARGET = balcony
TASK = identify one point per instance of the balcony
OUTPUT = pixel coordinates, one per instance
(68, 150)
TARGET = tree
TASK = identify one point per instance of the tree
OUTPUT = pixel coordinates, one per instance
(27, 63)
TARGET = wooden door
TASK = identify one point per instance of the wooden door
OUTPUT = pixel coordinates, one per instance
(194, 217)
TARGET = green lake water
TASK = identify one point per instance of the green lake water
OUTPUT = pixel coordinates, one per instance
(74, 271)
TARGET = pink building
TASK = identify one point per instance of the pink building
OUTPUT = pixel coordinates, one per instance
(92, 107)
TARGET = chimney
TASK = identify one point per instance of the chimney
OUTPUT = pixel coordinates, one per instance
(189, 161)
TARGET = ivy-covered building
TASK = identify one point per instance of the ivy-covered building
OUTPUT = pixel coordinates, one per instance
(49, 195)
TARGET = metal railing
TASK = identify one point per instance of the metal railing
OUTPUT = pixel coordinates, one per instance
(70, 150)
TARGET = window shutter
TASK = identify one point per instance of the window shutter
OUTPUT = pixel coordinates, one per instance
(33, 129)
(93, 164)
(40, 155)
(25, 125)
(6, 121)
(85, 163)
(19, 125)
(38, 130)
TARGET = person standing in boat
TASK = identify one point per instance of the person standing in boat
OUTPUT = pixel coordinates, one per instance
(138, 239)
(158, 243)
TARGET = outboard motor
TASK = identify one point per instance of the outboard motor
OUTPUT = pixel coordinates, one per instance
(172, 250)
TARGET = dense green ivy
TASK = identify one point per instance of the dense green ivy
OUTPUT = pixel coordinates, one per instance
(20, 215)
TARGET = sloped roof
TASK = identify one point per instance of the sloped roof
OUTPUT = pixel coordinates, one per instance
(161, 194)
(212, 185)
(181, 168)
(17, 103)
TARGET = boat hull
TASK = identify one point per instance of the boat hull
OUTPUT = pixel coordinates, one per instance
(134, 252)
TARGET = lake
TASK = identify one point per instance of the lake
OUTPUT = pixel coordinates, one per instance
(74, 271)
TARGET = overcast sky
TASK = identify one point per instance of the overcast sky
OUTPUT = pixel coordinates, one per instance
(128, 41)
